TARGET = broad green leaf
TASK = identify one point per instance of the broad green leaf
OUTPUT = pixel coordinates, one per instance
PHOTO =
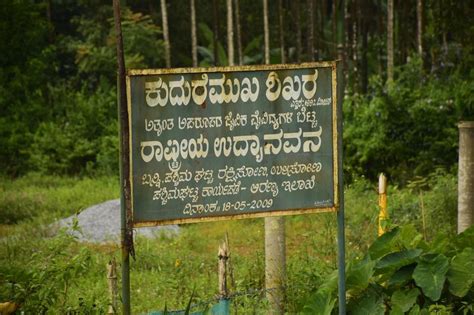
(465, 239)
(415, 310)
(358, 275)
(330, 284)
(370, 303)
(440, 244)
(461, 273)
(322, 303)
(396, 311)
(398, 259)
(430, 274)
(384, 244)
(409, 236)
(404, 299)
(402, 275)
(206, 32)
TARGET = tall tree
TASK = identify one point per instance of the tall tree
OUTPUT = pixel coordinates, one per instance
(215, 14)
(193, 34)
(266, 32)
(334, 27)
(322, 23)
(281, 31)
(364, 30)
(310, 30)
(354, 29)
(230, 34)
(298, 30)
(166, 36)
(390, 40)
(238, 29)
(419, 26)
(50, 20)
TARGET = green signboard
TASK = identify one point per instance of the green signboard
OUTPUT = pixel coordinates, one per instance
(216, 143)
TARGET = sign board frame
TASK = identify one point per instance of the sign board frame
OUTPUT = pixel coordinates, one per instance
(336, 83)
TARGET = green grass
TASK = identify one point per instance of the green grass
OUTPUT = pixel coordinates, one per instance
(39, 268)
(51, 197)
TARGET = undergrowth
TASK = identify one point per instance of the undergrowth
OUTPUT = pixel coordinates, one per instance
(47, 270)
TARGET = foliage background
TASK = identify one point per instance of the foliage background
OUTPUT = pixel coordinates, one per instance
(58, 94)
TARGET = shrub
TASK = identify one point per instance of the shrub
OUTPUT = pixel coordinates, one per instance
(409, 129)
(401, 273)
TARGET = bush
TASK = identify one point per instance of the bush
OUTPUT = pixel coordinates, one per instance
(43, 283)
(401, 273)
(409, 129)
(72, 143)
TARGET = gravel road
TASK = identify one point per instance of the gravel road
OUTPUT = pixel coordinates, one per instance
(101, 224)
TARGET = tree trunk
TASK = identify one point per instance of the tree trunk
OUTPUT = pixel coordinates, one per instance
(310, 44)
(266, 32)
(317, 36)
(239, 39)
(298, 30)
(281, 31)
(334, 27)
(166, 36)
(419, 27)
(215, 12)
(324, 46)
(230, 34)
(355, 44)
(193, 34)
(345, 40)
(389, 41)
(466, 176)
(363, 58)
(380, 32)
(50, 21)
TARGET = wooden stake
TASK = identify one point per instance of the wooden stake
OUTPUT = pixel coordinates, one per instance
(422, 204)
(112, 283)
(223, 255)
(383, 214)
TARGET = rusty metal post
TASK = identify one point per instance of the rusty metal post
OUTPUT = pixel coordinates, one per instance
(383, 214)
(112, 283)
(125, 202)
(466, 176)
(341, 235)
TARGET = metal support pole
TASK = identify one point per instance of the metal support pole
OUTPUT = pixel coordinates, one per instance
(341, 255)
(125, 203)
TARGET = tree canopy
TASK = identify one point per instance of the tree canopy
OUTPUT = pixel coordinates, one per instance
(58, 73)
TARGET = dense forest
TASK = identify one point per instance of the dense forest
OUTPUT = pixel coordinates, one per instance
(408, 69)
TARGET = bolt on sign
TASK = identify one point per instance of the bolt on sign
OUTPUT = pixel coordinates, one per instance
(233, 142)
